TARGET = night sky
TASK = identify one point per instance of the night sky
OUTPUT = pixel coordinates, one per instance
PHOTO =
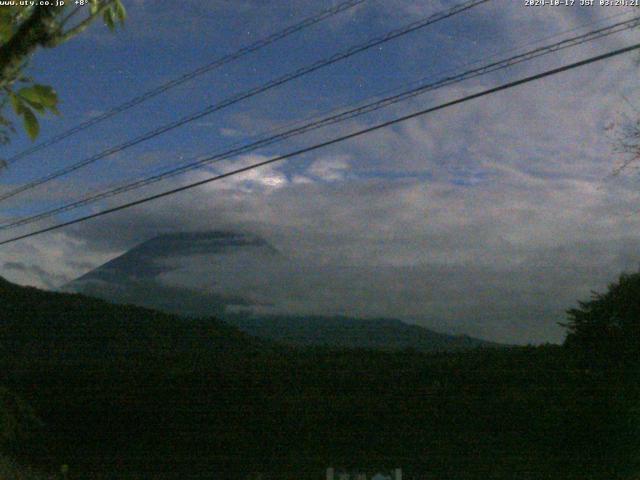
(507, 204)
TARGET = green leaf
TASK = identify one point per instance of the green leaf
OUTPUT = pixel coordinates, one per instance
(94, 5)
(31, 124)
(29, 94)
(114, 14)
(38, 107)
(48, 96)
(40, 94)
(16, 103)
(120, 12)
(6, 31)
(108, 19)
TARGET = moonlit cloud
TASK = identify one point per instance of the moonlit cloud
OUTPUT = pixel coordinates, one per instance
(329, 169)
(490, 218)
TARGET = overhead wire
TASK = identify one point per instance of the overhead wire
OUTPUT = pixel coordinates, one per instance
(214, 64)
(337, 118)
(342, 138)
(398, 88)
(316, 115)
(376, 41)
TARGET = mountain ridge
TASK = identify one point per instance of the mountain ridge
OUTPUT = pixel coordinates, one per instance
(187, 242)
(242, 273)
(128, 392)
(347, 332)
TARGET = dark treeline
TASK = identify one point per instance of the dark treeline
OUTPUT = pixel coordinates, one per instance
(126, 392)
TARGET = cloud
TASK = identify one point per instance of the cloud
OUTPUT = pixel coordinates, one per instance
(510, 226)
(47, 279)
(508, 257)
(329, 169)
(265, 178)
(228, 132)
(491, 217)
(49, 262)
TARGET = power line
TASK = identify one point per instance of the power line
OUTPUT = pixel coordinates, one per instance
(411, 27)
(338, 118)
(333, 119)
(336, 140)
(219, 62)
(380, 94)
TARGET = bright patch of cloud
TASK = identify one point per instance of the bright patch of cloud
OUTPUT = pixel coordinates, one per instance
(329, 169)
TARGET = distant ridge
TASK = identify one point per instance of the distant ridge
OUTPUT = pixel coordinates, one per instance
(345, 332)
(40, 325)
(221, 273)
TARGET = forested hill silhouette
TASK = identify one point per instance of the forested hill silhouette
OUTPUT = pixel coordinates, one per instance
(216, 272)
(35, 321)
(346, 332)
(127, 392)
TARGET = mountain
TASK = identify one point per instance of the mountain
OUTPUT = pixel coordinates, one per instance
(242, 279)
(146, 274)
(127, 392)
(99, 374)
(73, 329)
(346, 332)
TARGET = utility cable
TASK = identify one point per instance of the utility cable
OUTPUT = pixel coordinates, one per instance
(247, 94)
(388, 123)
(219, 62)
(333, 119)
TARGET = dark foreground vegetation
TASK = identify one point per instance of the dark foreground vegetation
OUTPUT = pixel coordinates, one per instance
(125, 392)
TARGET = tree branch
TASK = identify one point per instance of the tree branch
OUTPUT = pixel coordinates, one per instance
(82, 26)
(39, 29)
